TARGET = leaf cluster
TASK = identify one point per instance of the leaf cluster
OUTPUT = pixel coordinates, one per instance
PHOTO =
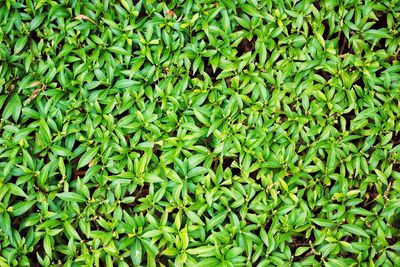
(199, 133)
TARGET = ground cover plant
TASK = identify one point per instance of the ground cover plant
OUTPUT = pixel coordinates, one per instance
(199, 133)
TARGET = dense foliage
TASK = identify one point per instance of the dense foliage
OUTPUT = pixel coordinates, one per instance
(199, 133)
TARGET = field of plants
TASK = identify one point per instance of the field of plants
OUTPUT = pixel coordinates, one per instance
(200, 133)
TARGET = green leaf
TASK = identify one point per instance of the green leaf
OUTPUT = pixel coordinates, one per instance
(125, 83)
(70, 231)
(300, 250)
(47, 246)
(216, 220)
(13, 108)
(87, 157)
(202, 251)
(37, 20)
(119, 50)
(323, 222)
(23, 207)
(152, 233)
(250, 10)
(71, 196)
(152, 178)
(16, 190)
(354, 229)
(150, 247)
(194, 217)
(20, 44)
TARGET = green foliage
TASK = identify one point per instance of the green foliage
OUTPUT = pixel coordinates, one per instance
(199, 133)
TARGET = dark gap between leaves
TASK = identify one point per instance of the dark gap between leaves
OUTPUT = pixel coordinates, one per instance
(12, 85)
(370, 196)
(289, 28)
(324, 74)
(396, 141)
(157, 151)
(253, 174)
(378, 73)
(392, 58)
(343, 45)
(348, 118)
(92, 188)
(209, 70)
(142, 13)
(380, 44)
(245, 46)
(299, 241)
(347, 255)
(325, 35)
(396, 166)
(227, 162)
(32, 256)
(162, 259)
(382, 21)
(394, 239)
(235, 171)
(283, 118)
(34, 36)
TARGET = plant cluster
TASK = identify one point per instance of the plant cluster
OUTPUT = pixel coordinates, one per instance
(199, 133)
